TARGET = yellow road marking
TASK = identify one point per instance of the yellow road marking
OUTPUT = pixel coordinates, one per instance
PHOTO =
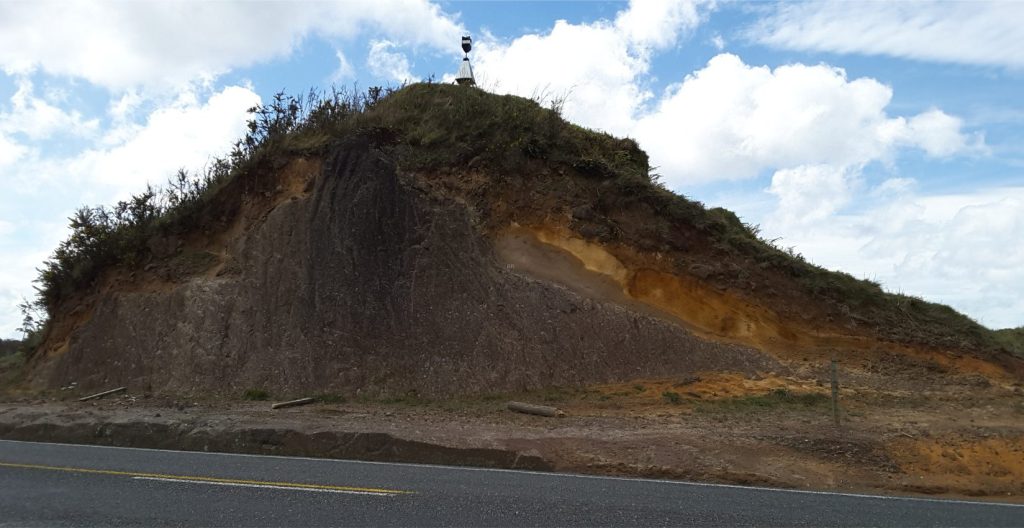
(212, 480)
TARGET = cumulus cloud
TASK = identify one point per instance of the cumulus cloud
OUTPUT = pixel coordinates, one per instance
(26, 120)
(731, 120)
(183, 132)
(984, 33)
(655, 25)
(186, 133)
(386, 63)
(123, 44)
(811, 193)
(593, 66)
(36, 118)
(962, 249)
(938, 134)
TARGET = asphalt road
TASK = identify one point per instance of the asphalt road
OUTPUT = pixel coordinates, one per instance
(68, 485)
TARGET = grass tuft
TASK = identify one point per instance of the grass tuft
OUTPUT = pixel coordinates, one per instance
(776, 399)
(256, 395)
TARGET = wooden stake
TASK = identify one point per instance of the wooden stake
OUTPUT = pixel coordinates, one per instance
(293, 403)
(102, 394)
(835, 392)
(539, 410)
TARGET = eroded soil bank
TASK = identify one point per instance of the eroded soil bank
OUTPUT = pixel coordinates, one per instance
(962, 437)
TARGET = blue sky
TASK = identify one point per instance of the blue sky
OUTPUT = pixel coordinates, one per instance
(883, 139)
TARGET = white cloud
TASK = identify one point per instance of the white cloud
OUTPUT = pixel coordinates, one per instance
(588, 64)
(20, 261)
(123, 108)
(123, 44)
(983, 32)
(345, 69)
(894, 187)
(962, 249)
(811, 193)
(595, 66)
(938, 134)
(187, 133)
(10, 151)
(657, 24)
(27, 120)
(389, 64)
(183, 132)
(718, 42)
(15, 285)
(38, 119)
(730, 120)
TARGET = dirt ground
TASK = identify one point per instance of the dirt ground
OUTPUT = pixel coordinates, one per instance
(918, 431)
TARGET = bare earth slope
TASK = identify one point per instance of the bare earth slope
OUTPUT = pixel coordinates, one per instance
(363, 283)
(445, 241)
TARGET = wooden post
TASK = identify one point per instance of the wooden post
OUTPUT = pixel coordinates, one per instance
(293, 403)
(835, 392)
(102, 394)
(539, 410)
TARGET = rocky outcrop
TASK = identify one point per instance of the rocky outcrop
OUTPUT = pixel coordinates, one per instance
(366, 282)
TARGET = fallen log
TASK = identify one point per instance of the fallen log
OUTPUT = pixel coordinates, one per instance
(102, 394)
(539, 410)
(293, 403)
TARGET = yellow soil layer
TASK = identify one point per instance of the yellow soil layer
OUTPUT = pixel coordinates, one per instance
(709, 313)
(992, 464)
(648, 395)
(709, 385)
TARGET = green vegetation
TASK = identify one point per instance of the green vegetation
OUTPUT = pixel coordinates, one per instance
(12, 362)
(672, 397)
(256, 395)
(556, 394)
(778, 398)
(411, 398)
(331, 398)
(10, 346)
(12, 368)
(438, 129)
(102, 238)
(1012, 339)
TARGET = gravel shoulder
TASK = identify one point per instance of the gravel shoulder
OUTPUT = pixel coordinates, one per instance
(953, 440)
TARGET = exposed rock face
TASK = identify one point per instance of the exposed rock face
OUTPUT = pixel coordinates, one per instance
(368, 283)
